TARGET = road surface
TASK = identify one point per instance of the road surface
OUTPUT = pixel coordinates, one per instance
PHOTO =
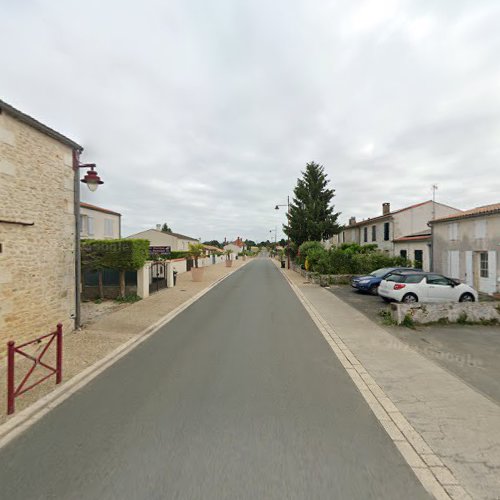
(239, 397)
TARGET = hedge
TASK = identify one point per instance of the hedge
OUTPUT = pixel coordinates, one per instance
(349, 259)
(119, 254)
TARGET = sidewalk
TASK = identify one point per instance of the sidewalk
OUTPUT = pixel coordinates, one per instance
(460, 425)
(97, 339)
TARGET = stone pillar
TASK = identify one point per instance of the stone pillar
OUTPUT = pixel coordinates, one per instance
(143, 281)
(170, 275)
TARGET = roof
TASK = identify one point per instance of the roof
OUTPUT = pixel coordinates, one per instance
(473, 212)
(211, 247)
(238, 242)
(181, 236)
(390, 214)
(28, 120)
(421, 236)
(98, 209)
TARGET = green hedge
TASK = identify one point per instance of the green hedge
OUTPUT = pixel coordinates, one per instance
(348, 259)
(120, 254)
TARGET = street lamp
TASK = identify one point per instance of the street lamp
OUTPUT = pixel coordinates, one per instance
(277, 207)
(93, 181)
(91, 178)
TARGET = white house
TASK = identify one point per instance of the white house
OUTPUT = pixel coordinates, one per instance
(98, 223)
(467, 246)
(402, 232)
(237, 246)
(157, 238)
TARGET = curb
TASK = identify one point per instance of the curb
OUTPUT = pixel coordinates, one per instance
(435, 477)
(17, 424)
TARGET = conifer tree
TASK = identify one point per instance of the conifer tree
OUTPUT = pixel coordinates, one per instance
(312, 216)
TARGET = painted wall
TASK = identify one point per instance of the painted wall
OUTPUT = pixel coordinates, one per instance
(460, 248)
(97, 225)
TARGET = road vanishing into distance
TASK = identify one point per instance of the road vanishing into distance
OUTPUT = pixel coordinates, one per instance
(239, 397)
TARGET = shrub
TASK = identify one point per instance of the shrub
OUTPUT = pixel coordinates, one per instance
(304, 250)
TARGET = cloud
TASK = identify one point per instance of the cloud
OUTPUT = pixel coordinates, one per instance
(203, 114)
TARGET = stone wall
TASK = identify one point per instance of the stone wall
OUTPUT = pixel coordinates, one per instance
(452, 312)
(37, 272)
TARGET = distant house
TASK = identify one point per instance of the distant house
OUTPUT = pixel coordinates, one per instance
(177, 242)
(403, 232)
(467, 246)
(99, 223)
(237, 246)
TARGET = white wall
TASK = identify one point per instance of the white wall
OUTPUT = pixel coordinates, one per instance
(98, 225)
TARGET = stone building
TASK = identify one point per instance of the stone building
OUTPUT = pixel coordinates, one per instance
(37, 228)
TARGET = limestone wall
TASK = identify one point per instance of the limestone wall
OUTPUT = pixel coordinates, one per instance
(37, 272)
(452, 312)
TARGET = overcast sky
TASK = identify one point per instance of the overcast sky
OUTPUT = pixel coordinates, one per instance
(203, 113)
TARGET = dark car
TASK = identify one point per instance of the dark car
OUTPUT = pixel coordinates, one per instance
(370, 282)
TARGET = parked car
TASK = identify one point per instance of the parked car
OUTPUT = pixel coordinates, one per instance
(371, 282)
(425, 287)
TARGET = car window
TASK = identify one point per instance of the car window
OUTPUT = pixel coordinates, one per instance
(397, 278)
(381, 272)
(413, 278)
(437, 279)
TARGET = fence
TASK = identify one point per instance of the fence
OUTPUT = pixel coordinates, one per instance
(12, 391)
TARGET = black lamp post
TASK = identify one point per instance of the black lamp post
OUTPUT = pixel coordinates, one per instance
(277, 207)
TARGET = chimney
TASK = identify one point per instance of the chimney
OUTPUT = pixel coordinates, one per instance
(158, 227)
(386, 208)
(352, 220)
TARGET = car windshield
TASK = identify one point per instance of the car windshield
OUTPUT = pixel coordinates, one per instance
(398, 278)
(380, 272)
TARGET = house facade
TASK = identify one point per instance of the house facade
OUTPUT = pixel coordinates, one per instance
(403, 232)
(98, 223)
(467, 246)
(237, 246)
(37, 227)
(157, 238)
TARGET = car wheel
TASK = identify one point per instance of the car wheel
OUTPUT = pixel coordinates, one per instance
(409, 298)
(373, 290)
(466, 297)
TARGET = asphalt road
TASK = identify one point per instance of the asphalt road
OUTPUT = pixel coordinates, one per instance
(470, 352)
(239, 397)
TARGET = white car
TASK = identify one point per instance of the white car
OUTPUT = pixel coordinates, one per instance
(425, 287)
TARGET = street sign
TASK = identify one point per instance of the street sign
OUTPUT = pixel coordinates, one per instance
(159, 250)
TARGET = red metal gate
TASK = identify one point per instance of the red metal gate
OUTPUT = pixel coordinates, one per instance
(12, 350)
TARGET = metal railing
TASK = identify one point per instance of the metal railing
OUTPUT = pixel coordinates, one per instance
(12, 391)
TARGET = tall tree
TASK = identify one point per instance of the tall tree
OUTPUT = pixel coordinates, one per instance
(312, 216)
(165, 228)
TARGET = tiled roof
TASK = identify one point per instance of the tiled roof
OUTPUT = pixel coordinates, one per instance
(98, 209)
(28, 120)
(421, 236)
(473, 212)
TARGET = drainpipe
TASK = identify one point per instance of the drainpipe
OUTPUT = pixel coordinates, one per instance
(78, 259)
(431, 253)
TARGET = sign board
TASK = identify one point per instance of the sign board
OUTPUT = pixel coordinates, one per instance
(159, 250)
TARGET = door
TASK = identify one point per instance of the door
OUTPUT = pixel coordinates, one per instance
(453, 264)
(439, 289)
(469, 275)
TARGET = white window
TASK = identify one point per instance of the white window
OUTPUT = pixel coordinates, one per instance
(483, 264)
(83, 225)
(108, 227)
(90, 226)
(480, 229)
(453, 231)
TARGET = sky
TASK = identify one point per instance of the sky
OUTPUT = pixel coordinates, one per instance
(203, 114)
